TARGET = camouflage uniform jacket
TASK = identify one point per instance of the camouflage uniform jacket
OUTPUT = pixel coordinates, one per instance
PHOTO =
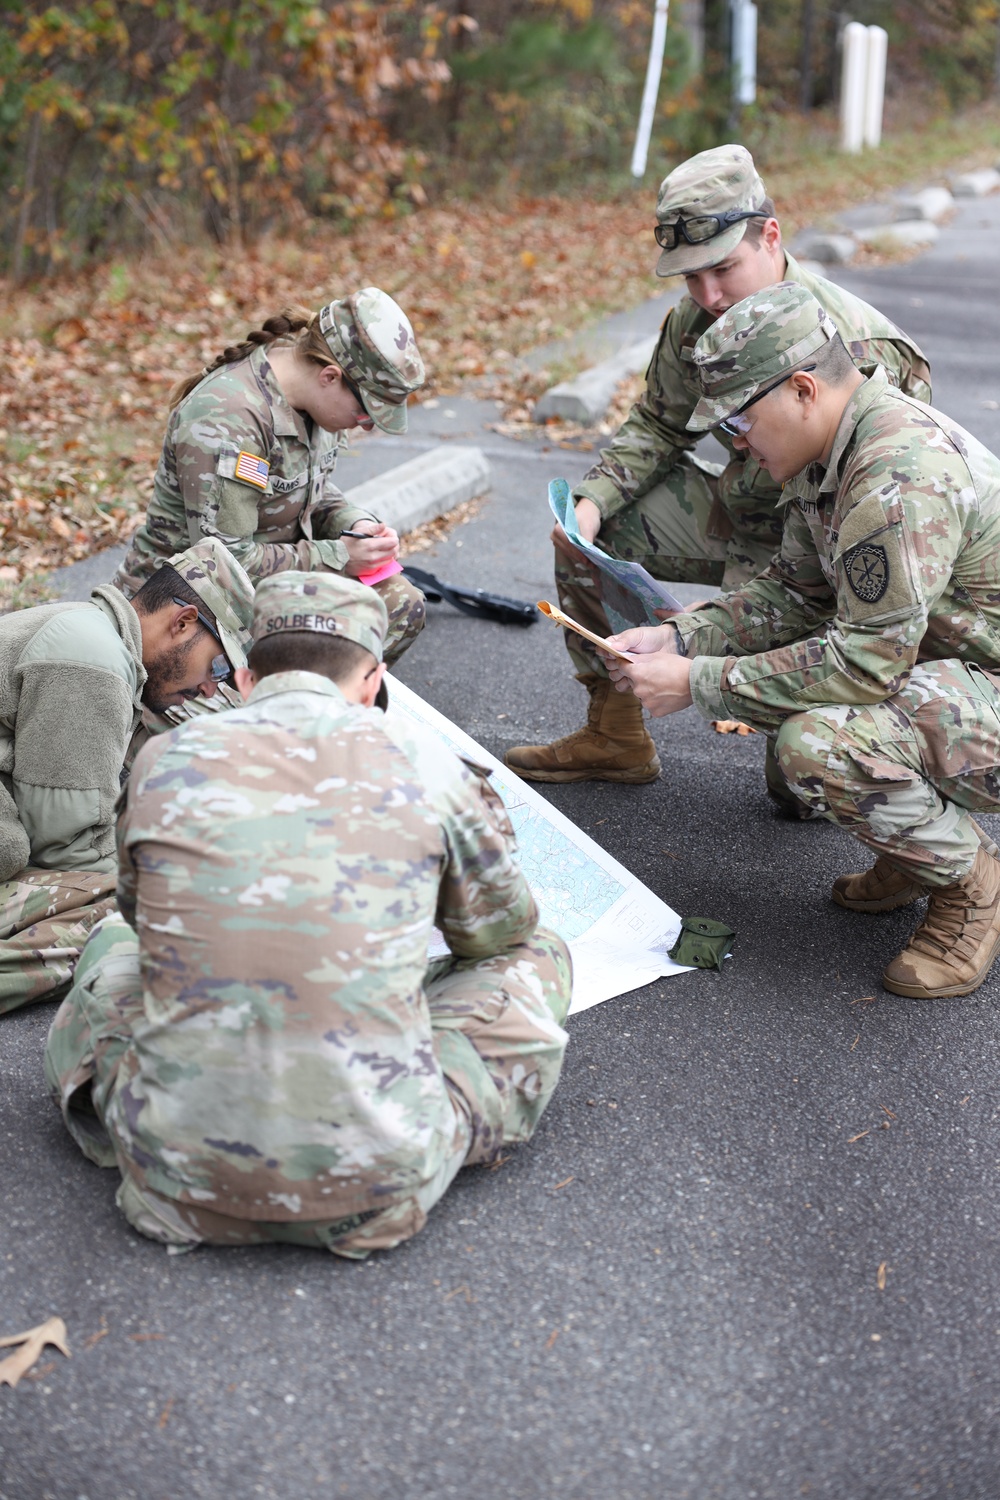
(71, 680)
(286, 513)
(654, 435)
(890, 550)
(283, 865)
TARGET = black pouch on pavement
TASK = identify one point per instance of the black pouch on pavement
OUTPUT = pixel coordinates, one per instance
(702, 943)
(473, 601)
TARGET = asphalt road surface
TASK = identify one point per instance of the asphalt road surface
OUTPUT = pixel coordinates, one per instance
(752, 1251)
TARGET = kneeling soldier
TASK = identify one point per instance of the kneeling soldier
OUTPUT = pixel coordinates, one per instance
(872, 641)
(261, 1046)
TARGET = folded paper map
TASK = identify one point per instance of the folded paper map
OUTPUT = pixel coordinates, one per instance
(617, 930)
(630, 595)
(558, 618)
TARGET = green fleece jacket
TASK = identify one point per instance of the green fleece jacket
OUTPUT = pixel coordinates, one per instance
(71, 679)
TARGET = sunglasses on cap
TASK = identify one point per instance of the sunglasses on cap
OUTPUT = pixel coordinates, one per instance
(736, 424)
(701, 228)
(222, 668)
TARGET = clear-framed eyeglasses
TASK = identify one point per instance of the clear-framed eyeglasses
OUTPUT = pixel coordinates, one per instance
(738, 425)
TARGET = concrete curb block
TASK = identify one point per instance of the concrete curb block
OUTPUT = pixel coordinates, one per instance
(424, 487)
(932, 204)
(976, 184)
(829, 249)
(905, 233)
(586, 398)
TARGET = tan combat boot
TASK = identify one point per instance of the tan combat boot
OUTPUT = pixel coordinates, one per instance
(885, 887)
(953, 949)
(614, 745)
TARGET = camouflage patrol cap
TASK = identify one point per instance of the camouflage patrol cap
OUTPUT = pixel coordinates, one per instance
(752, 345)
(370, 337)
(212, 571)
(713, 182)
(321, 604)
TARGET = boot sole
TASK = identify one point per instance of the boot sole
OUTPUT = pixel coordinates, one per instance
(872, 908)
(949, 992)
(638, 777)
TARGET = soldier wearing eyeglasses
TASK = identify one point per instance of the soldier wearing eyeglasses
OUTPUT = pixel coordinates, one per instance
(652, 498)
(870, 645)
(76, 682)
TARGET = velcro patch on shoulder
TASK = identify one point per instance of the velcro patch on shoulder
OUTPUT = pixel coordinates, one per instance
(251, 469)
(878, 561)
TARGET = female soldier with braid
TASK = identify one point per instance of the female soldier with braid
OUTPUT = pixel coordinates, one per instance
(252, 441)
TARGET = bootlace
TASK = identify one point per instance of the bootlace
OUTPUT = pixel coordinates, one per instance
(950, 926)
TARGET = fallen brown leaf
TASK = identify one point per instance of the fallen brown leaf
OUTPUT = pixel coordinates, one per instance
(880, 1276)
(463, 1288)
(95, 1338)
(71, 331)
(52, 1331)
(42, 1371)
(731, 726)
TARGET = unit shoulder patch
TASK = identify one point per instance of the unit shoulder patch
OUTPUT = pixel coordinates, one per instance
(252, 470)
(867, 568)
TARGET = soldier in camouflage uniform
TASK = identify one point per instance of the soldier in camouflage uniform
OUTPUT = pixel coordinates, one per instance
(261, 1045)
(75, 680)
(252, 442)
(651, 498)
(871, 643)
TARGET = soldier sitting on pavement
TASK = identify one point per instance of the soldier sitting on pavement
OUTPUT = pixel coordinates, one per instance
(252, 441)
(872, 642)
(75, 680)
(261, 1045)
(651, 499)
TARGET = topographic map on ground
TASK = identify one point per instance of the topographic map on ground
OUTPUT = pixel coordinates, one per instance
(618, 931)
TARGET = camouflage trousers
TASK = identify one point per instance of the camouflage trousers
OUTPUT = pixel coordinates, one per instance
(679, 533)
(497, 1034)
(45, 918)
(903, 776)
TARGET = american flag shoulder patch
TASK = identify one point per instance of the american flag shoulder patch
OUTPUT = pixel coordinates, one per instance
(252, 470)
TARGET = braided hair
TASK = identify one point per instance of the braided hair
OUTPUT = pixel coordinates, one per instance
(294, 326)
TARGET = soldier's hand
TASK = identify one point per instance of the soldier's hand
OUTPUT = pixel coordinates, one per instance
(644, 640)
(588, 519)
(380, 544)
(661, 681)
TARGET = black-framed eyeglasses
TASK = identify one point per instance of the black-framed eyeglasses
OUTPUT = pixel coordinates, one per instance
(222, 668)
(737, 425)
(354, 389)
(701, 227)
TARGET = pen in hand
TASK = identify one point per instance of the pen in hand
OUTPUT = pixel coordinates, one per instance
(362, 536)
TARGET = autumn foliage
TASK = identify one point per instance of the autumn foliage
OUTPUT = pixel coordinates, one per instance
(125, 114)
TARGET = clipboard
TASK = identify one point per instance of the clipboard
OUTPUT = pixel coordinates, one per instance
(558, 618)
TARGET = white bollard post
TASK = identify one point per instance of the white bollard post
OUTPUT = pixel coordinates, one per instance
(654, 67)
(744, 14)
(878, 46)
(852, 87)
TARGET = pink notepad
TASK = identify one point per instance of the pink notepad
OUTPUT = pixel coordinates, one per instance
(384, 570)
